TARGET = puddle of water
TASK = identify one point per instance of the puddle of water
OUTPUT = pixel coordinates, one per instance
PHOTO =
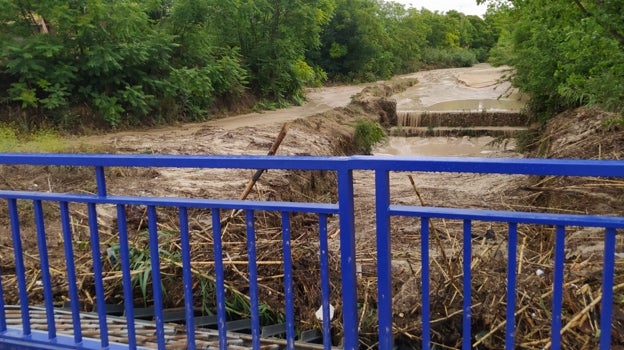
(440, 147)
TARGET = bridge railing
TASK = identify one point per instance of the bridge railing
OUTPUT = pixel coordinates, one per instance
(344, 208)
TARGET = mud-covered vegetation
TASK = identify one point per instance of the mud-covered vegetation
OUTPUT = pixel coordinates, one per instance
(86, 64)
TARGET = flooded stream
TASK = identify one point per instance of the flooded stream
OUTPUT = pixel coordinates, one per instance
(446, 99)
(443, 147)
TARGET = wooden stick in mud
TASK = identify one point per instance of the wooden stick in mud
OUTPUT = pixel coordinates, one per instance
(272, 151)
(278, 141)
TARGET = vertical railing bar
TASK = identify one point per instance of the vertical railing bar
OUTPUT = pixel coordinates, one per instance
(467, 287)
(511, 286)
(70, 267)
(324, 257)
(253, 278)
(347, 259)
(219, 278)
(606, 307)
(557, 305)
(100, 179)
(426, 306)
(288, 286)
(45, 268)
(384, 259)
(97, 273)
(3, 324)
(189, 310)
(124, 255)
(20, 270)
(152, 227)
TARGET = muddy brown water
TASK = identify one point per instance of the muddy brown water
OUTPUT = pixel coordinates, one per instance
(481, 87)
(464, 146)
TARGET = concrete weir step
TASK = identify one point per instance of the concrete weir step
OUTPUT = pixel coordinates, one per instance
(446, 131)
(175, 333)
(460, 118)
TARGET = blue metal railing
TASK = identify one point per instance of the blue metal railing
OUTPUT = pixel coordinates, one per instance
(344, 208)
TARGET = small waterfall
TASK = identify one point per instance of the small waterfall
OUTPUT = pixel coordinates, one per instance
(409, 118)
(422, 131)
(463, 119)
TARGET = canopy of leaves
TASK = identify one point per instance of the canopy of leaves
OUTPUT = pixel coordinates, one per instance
(566, 53)
(116, 63)
(370, 39)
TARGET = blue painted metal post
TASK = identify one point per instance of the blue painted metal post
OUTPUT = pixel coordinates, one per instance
(324, 258)
(347, 259)
(45, 269)
(126, 274)
(384, 259)
(219, 278)
(97, 273)
(557, 304)
(20, 270)
(253, 279)
(606, 308)
(187, 278)
(152, 227)
(467, 287)
(100, 178)
(426, 301)
(512, 246)
(3, 324)
(70, 266)
(288, 285)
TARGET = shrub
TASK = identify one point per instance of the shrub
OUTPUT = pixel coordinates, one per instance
(367, 134)
(449, 57)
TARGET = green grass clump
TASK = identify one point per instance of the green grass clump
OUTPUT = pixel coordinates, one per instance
(8, 139)
(367, 134)
(42, 141)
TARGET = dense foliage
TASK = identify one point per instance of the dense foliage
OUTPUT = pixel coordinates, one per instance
(565, 53)
(368, 39)
(124, 62)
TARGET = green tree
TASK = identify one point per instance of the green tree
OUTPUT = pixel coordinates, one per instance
(273, 37)
(130, 62)
(347, 49)
(102, 53)
(566, 53)
(369, 39)
(407, 35)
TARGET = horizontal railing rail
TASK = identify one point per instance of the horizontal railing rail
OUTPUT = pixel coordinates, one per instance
(343, 208)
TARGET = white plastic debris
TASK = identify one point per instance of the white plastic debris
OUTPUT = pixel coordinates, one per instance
(39, 283)
(319, 313)
(539, 272)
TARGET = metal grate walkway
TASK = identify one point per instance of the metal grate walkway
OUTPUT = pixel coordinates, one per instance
(175, 334)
